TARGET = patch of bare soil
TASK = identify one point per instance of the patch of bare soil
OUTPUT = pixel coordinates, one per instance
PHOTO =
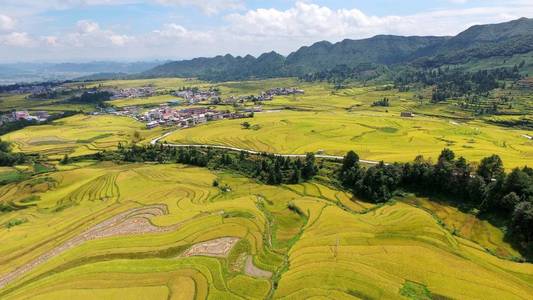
(215, 248)
(251, 270)
(133, 222)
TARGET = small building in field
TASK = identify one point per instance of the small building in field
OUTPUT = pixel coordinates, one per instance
(407, 114)
(152, 124)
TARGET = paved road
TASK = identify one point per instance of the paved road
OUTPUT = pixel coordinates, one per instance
(331, 157)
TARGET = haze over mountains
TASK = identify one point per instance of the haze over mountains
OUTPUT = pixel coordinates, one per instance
(34, 72)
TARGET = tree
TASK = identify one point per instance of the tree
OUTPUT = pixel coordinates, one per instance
(310, 169)
(490, 167)
(510, 200)
(65, 160)
(296, 176)
(522, 223)
(350, 160)
(476, 190)
(447, 155)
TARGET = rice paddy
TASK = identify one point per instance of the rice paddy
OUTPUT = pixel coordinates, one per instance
(373, 135)
(78, 135)
(90, 230)
(142, 231)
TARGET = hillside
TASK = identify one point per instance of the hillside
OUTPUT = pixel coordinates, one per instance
(477, 42)
(141, 231)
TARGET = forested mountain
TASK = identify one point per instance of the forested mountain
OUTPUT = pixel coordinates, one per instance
(381, 49)
(484, 41)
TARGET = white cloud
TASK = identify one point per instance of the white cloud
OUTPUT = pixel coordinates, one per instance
(6, 23)
(16, 39)
(307, 20)
(87, 26)
(173, 30)
(120, 40)
(253, 31)
(50, 40)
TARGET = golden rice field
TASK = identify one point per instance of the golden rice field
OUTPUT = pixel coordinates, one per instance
(373, 135)
(78, 135)
(139, 231)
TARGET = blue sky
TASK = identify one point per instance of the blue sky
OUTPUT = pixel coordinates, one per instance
(85, 30)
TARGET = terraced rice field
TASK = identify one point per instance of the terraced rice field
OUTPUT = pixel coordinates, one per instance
(78, 135)
(164, 232)
(374, 136)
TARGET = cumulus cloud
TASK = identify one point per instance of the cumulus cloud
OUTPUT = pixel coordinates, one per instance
(87, 27)
(242, 32)
(16, 39)
(321, 22)
(6, 23)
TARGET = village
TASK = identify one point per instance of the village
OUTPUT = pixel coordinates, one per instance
(163, 115)
(168, 115)
(38, 116)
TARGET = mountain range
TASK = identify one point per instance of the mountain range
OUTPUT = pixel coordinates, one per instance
(477, 42)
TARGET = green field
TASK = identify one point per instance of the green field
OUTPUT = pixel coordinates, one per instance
(338, 247)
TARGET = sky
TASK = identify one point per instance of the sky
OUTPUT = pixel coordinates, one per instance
(135, 30)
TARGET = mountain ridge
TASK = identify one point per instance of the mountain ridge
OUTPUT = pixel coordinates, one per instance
(479, 41)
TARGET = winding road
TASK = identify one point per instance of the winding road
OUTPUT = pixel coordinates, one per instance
(330, 157)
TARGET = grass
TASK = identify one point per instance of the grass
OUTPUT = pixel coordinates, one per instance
(331, 248)
(413, 290)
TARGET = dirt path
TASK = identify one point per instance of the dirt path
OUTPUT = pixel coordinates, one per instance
(133, 222)
(216, 248)
(251, 270)
(331, 157)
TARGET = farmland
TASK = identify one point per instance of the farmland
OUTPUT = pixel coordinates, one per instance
(137, 230)
(374, 135)
(86, 229)
(77, 135)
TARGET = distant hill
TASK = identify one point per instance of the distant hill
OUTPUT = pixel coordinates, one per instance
(477, 42)
(35, 72)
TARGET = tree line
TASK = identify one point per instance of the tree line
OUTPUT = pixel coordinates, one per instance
(342, 73)
(267, 168)
(455, 83)
(488, 188)
(8, 158)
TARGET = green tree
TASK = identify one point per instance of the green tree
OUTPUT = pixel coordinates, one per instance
(490, 167)
(310, 169)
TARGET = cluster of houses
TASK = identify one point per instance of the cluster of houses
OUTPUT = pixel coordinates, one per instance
(32, 89)
(195, 95)
(38, 116)
(263, 96)
(131, 93)
(166, 115)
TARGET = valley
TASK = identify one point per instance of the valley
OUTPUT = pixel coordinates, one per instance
(391, 167)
